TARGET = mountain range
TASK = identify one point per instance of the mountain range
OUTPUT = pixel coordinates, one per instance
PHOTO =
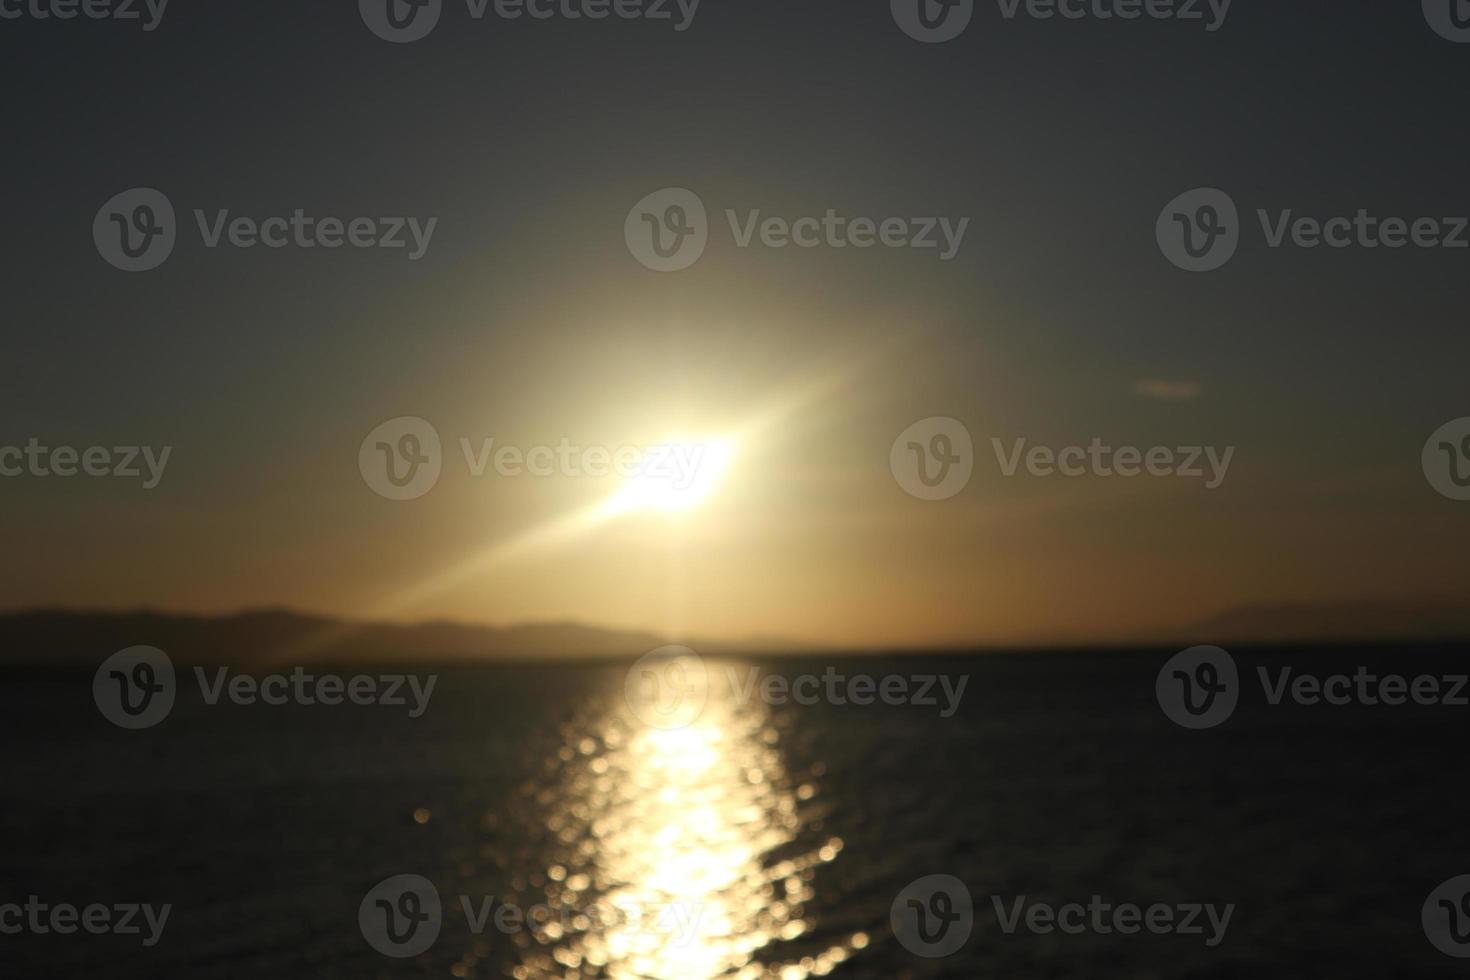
(277, 636)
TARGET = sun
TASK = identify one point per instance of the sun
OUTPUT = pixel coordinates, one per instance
(675, 476)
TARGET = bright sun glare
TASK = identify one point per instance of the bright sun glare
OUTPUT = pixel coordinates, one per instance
(681, 475)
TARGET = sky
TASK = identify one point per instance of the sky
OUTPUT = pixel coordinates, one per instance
(529, 319)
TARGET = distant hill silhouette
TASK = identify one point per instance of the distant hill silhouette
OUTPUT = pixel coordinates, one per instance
(1358, 621)
(274, 637)
(277, 636)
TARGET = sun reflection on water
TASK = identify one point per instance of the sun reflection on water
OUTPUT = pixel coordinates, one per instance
(678, 854)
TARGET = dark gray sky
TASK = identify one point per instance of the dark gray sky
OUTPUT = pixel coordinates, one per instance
(528, 319)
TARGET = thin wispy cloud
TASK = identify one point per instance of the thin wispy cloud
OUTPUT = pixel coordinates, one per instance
(1168, 391)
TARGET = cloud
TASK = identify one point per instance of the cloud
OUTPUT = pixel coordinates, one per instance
(1168, 391)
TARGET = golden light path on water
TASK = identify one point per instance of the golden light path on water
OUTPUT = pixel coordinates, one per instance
(677, 856)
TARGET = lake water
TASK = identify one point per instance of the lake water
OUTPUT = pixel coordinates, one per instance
(758, 840)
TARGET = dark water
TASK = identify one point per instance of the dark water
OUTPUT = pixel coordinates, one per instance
(789, 830)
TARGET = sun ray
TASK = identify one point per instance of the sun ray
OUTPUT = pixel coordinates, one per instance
(763, 427)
